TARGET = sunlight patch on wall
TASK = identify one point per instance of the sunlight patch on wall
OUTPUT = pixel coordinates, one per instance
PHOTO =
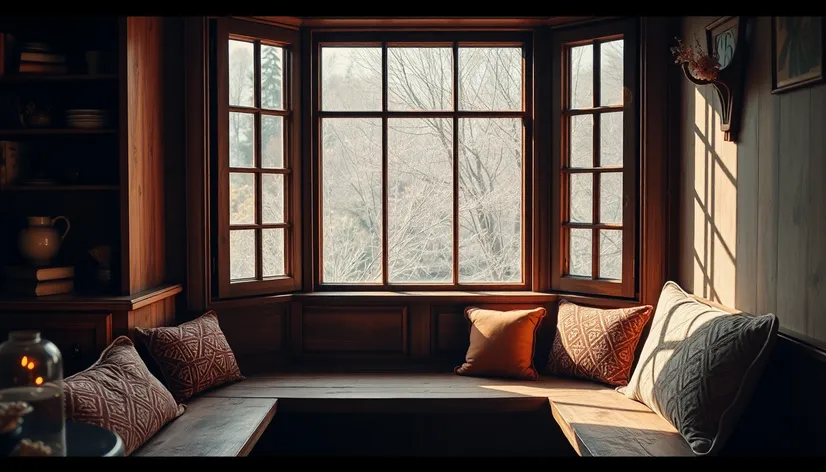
(715, 204)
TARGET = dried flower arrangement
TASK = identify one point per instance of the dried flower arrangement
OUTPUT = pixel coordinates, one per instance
(700, 65)
(11, 414)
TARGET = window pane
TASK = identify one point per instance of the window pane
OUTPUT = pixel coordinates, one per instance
(610, 254)
(241, 198)
(351, 200)
(582, 141)
(582, 76)
(241, 74)
(582, 198)
(490, 200)
(611, 73)
(272, 194)
(610, 197)
(241, 139)
(610, 139)
(242, 254)
(272, 84)
(351, 79)
(272, 142)
(490, 78)
(273, 242)
(420, 200)
(580, 257)
(419, 78)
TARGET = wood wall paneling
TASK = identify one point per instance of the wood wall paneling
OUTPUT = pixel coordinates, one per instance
(355, 329)
(751, 212)
(142, 192)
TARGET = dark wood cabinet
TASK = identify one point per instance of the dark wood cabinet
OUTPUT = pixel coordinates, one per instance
(79, 336)
(110, 181)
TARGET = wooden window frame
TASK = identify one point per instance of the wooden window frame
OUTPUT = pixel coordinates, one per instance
(562, 42)
(289, 39)
(523, 39)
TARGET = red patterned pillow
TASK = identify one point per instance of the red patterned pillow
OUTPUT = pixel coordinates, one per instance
(596, 344)
(118, 393)
(193, 356)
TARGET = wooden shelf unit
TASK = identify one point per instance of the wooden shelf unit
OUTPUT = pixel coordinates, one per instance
(126, 213)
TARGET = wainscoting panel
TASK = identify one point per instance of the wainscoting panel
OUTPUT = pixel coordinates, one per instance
(357, 329)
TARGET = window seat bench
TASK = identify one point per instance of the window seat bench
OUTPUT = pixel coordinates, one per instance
(596, 420)
(213, 426)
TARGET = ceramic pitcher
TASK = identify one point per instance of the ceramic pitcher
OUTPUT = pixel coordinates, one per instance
(40, 241)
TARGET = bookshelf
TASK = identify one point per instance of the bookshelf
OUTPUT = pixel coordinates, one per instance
(106, 176)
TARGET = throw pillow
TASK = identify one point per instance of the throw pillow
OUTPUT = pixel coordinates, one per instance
(596, 344)
(193, 356)
(501, 343)
(118, 393)
(699, 366)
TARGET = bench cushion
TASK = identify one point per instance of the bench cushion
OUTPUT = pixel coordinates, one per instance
(213, 427)
(699, 366)
(596, 419)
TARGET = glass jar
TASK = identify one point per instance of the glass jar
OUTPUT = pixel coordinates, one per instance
(31, 372)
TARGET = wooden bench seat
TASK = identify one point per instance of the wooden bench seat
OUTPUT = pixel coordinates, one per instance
(597, 420)
(213, 426)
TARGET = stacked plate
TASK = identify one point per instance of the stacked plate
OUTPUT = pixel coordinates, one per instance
(78, 118)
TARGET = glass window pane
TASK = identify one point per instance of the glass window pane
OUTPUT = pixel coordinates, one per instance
(419, 78)
(610, 254)
(420, 200)
(490, 200)
(351, 200)
(273, 253)
(582, 141)
(610, 197)
(272, 142)
(611, 73)
(272, 196)
(580, 260)
(582, 76)
(272, 73)
(242, 254)
(351, 79)
(241, 139)
(582, 198)
(241, 74)
(241, 198)
(490, 78)
(610, 139)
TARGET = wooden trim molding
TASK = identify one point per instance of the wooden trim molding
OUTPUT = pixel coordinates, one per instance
(92, 303)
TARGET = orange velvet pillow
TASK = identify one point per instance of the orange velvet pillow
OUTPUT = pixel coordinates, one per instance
(501, 343)
(597, 344)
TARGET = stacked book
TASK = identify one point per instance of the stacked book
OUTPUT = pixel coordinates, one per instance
(39, 281)
(9, 162)
(40, 58)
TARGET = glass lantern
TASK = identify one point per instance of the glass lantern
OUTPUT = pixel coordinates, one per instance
(31, 378)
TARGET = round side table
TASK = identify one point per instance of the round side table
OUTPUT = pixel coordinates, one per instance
(90, 440)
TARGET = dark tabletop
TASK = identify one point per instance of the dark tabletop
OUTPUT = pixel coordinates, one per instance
(89, 440)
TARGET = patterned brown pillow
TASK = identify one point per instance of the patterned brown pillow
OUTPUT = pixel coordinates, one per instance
(193, 356)
(596, 344)
(118, 393)
(501, 343)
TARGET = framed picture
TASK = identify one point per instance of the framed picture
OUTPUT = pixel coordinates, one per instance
(722, 38)
(797, 51)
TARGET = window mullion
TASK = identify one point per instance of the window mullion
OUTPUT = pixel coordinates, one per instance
(259, 194)
(384, 190)
(595, 193)
(455, 164)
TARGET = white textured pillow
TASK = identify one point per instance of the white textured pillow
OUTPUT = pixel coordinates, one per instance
(699, 366)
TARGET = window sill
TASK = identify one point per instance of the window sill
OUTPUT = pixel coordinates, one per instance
(460, 296)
